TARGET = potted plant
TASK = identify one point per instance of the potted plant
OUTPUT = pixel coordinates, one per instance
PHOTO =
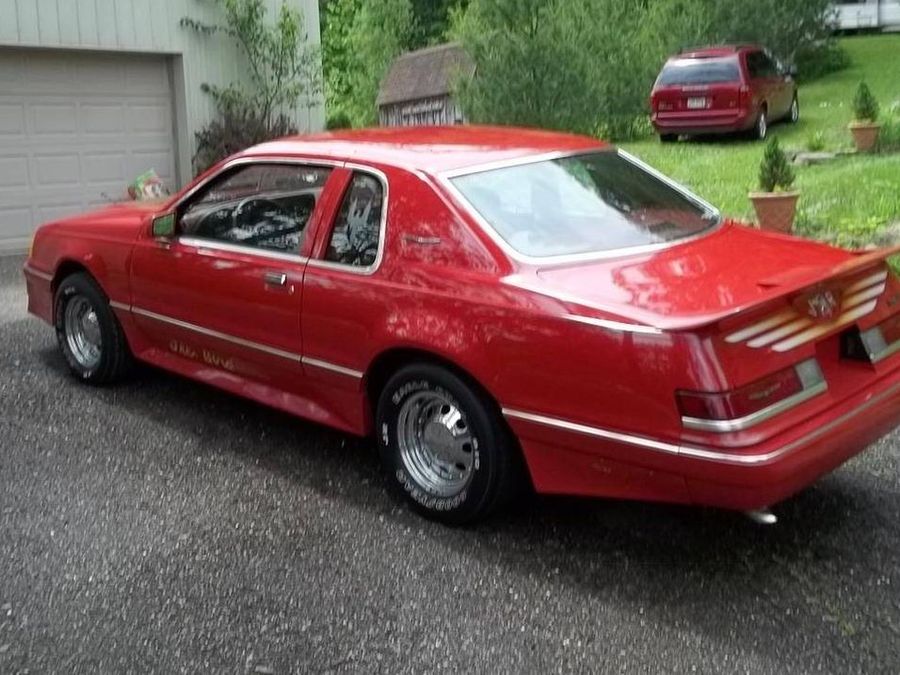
(775, 204)
(865, 113)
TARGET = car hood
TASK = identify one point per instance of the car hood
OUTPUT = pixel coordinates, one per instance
(699, 281)
(116, 220)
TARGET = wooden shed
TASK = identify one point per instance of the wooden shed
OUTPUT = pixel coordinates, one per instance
(417, 87)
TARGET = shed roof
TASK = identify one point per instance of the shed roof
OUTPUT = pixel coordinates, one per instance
(424, 73)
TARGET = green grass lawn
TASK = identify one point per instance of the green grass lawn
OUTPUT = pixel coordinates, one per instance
(854, 193)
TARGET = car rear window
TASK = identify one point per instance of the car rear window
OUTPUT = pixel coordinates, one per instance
(582, 204)
(699, 71)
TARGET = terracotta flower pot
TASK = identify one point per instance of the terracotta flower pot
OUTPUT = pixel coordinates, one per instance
(865, 134)
(775, 210)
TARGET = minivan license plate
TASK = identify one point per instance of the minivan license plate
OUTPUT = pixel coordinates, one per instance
(696, 103)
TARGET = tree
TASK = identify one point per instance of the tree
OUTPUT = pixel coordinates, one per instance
(282, 71)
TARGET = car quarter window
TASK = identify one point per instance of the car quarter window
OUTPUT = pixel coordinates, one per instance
(357, 229)
(264, 206)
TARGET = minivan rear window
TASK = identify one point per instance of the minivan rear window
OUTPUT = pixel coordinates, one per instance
(699, 71)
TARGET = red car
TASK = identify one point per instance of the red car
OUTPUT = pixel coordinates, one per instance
(721, 90)
(493, 305)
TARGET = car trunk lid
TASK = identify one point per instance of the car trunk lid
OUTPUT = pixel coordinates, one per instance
(734, 271)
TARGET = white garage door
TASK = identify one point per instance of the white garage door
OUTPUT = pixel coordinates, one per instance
(75, 129)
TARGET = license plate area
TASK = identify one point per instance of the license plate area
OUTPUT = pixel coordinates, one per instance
(696, 103)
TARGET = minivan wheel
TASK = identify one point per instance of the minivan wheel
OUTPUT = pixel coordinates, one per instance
(668, 138)
(444, 445)
(89, 335)
(762, 126)
(794, 114)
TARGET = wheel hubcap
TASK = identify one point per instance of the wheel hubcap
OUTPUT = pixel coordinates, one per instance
(795, 111)
(763, 127)
(82, 329)
(436, 445)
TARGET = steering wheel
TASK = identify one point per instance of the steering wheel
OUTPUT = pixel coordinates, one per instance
(239, 209)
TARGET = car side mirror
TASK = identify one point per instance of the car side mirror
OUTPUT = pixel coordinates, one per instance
(163, 226)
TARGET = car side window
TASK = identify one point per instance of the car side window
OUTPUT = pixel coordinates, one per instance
(357, 229)
(264, 206)
(754, 66)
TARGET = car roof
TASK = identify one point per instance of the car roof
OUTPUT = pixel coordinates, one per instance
(715, 50)
(429, 149)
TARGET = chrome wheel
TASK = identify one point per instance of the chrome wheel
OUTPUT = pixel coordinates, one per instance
(795, 111)
(436, 445)
(82, 330)
(762, 126)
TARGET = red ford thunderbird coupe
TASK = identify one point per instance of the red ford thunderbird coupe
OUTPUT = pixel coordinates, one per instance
(495, 306)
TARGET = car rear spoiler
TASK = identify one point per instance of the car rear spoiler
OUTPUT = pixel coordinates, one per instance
(786, 284)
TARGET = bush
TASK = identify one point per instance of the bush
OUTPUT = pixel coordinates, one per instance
(865, 107)
(816, 142)
(889, 135)
(338, 120)
(282, 71)
(775, 173)
(237, 127)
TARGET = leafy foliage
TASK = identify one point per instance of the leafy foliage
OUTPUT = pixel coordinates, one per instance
(865, 107)
(359, 41)
(588, 65)
(282, 71)
(775, 173)
(889, 135)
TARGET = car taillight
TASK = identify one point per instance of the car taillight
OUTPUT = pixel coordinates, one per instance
(744, 95)
(751, 404)
(879, 342)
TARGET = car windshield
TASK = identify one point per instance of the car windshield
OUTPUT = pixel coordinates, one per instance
(699, 71)
(582, 204)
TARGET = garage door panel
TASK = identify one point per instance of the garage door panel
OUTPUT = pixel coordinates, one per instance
(18, 221)
(14, 171)
(75, 129)
(53, 118)
(102, 118)
(12, 118)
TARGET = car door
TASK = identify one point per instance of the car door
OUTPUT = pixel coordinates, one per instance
(760, 83)
(780, 85)
(345, 293)
(221, 297)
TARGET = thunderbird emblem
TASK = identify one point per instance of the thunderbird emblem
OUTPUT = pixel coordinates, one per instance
(822, 305)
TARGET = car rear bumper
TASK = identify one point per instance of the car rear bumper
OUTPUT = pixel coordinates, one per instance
(702, 122)
(567, 458)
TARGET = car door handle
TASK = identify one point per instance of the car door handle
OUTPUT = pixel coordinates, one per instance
(275, 278)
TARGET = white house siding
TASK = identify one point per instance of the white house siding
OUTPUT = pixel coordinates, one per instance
(94, 32)
(869, 14)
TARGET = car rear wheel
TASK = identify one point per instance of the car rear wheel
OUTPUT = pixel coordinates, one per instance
(761, 130)
(794, 112)
(88, 333)
(668, 138)
(444, 445)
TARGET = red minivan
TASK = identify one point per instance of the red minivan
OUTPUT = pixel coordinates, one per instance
(718, 90)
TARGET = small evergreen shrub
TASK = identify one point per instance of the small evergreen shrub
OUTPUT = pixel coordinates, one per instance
(775, 173)
(865, 107)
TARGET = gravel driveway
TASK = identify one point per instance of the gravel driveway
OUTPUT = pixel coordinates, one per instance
(163, 526)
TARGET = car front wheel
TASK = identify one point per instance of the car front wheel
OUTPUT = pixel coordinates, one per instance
(88, 333)
(444, 445)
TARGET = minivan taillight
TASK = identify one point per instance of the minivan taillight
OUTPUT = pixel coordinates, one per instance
(753, 403)
(744, 96)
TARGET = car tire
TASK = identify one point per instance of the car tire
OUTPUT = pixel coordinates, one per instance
(794, 112)
(88, 333)
(761, 128)
(668, 138)
(444, 445)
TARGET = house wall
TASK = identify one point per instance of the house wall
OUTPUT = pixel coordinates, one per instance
(439, 110)
(868, 14)
(152, 27)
